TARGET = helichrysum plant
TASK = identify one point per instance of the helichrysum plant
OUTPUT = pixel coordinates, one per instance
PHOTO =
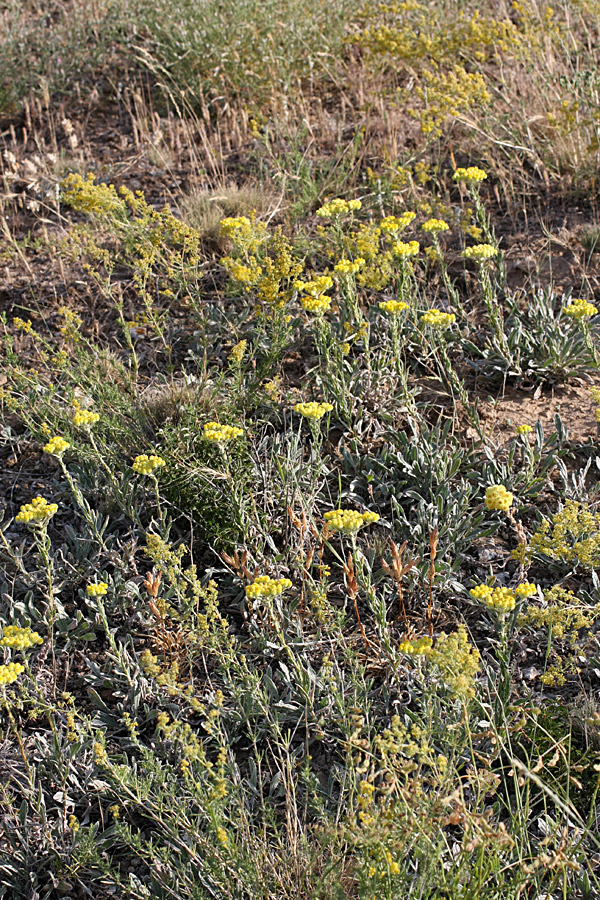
(578, 308)
(480, 253)
(349, 521)
(17, 638)
(265, 586)
(10, 672)
(438, 319)
(313, 410)
(470, 175)
(221, 434)
(147, 464)
(37, 512)
(56, 446)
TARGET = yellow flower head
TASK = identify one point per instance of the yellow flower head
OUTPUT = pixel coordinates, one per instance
(395, 224)
(438, 319)
(580, 309)
(264, 586)
(98, 589)
(480, 252)
(482, 592)
(471, 175)
(435, 226)
(318, 306)
(313, 410)
(38, 511)
(232, 224)
(349, 267)
(56, 446)
(336, 208)
(10, 672)
(85, 418)
(497, 497)
(22, 325)
(237, 352)
(316, 286)
(220, 434)
(523, 429)
(420, 647)
(501, 600)
(405, 250)
(393, 307)
(20, 638)
(349, 520)
(145, 464)
(526, 589)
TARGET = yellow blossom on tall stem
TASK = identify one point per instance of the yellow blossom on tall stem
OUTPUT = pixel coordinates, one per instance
(16, 638)
(220, 434)
(349, 520)
(56, 446)
(85, 418)
(145, 464)
(37, 512)
(265, 586)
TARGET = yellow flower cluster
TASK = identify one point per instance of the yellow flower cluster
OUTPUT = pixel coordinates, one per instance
(480, 252)
(393, 307)
(56, 446)
(36, 512)
(150, 665)
(564, 613)
(221, 434)
(458, 662)
(405, 250)
(417, 33)
(318, 306)
(10, 672)
(438, 319)
(472, 175)
(246, 234)
(497, 497)
(316, 286)
(435, 226)
(395, 224)
(264, 586)
(420, 647)
(145, 464)
(448, 94)
(580, 309)
(98, 589)
(333, 209)
(349, 520)
(349, 267)
(231, 225)
(246, 274)
(237, 352)
(20, 638)
(85, 418)
(526, 589)
(88, 197)
(572, 539)
(22, 325)
(523, 429)
(502, 600)
(313, 410)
